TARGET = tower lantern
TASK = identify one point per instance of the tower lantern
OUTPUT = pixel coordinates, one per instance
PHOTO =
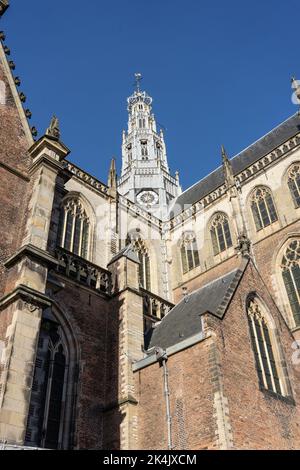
(145, 177)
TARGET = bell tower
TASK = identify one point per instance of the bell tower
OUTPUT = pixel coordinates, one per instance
(145, 177)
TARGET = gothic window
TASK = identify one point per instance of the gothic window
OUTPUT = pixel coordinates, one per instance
(263, 208)
(294, 183)
(144, 147)
(291, 277)
(189, 252)
(220, 233)
(144, 267)
(45, 424)
(261, 338)
(75, 228)
(142, 123)
(2, 92)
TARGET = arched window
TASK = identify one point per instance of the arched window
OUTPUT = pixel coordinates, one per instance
(144, 269)
(220, 233)
(263, 208)
(189, 252)
(290, 266)
(294, 183)
(75, 228)
(261, 338)
(46, 423)
(144, 147)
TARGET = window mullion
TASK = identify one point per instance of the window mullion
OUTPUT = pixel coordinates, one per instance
(193, 255)
(47, 400)
(73, 228)
(218, 241)
(80, 237)
(267, 355)
(259, 215)
(259, 352)
(145, 271)
(224, 236)
(63, 235)
(268, 210)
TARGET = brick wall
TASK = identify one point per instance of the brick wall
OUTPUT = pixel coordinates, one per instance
(15, 187)
(216, 401)
(191, 400)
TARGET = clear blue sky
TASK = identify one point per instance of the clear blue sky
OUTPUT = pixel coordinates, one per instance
(219, 72)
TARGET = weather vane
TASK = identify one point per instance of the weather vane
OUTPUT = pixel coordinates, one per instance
(138, 78)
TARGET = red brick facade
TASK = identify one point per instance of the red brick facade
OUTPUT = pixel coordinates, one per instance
(223, 362)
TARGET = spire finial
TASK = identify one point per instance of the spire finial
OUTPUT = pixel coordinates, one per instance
(224, 153)
(112, 177)
(53, 130)
(227, 168)
(138, 78)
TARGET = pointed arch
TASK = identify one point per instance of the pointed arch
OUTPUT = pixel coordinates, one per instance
(220, 233)
(189, 252)
(289, 267)
(293, 181)
(77, 225)
(51, 416)
(263, 207)
(140, 247)
(266, 347)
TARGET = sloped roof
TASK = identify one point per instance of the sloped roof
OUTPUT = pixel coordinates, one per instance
(183, 321)
(240, 162)
(128, 252)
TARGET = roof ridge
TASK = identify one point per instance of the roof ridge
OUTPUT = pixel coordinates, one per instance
(264, 136)
(239, 155)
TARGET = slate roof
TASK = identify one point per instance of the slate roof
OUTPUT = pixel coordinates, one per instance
(240, 162)
(183, 321)
(128, 252)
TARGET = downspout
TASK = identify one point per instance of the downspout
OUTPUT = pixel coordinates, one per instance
(162, 358)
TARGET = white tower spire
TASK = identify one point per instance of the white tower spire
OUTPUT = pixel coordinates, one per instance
(145, 177)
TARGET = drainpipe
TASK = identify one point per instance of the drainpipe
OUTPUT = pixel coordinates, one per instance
(162, 358)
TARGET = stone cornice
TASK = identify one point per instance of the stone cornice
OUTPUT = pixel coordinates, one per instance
(241, 178)
(138, 211)
(27, 294)
(86, 178)
(33, 252)
(50, 144)
(50, 162)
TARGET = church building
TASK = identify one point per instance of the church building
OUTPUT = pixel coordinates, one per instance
(136, 314)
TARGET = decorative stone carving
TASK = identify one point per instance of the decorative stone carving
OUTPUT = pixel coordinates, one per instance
(31, 306)
(244, 246)
(53, 130)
